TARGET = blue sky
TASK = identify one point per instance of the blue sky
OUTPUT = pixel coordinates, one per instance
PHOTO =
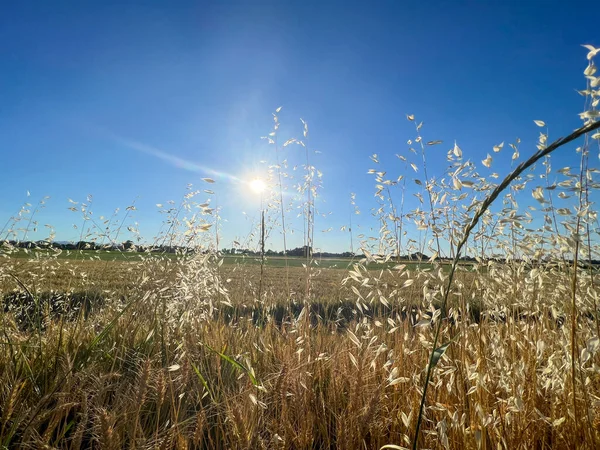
(92, 92)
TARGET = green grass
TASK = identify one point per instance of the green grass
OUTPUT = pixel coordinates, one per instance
(271, 261)
(102, 255)
(292, 261)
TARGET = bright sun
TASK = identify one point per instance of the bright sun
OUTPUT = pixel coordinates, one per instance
(257, 186)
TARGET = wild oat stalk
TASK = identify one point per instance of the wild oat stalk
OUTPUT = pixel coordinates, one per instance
(437, 352)
(281, 203)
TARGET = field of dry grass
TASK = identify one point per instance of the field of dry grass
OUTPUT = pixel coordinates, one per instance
(147, 368)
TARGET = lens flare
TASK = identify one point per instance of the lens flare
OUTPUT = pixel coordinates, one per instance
(257, 185)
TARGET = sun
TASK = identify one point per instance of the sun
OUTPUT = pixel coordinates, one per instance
(257, 185)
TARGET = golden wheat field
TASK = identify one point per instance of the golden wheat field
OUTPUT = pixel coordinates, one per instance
(226, 371)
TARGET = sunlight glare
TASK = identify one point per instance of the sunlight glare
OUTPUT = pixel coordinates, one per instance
(257, 185)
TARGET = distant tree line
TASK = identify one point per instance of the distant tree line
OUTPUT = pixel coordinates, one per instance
(129, 246)
(304, 251)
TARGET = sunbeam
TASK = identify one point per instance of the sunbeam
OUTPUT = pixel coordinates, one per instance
(175, 160)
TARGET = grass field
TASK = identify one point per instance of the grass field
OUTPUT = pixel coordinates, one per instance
(209, 365)
(271, 261)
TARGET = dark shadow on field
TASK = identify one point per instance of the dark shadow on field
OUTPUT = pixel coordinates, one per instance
(339, 315)
(33, 312)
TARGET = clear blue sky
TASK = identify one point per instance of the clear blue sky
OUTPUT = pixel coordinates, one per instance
(85, 87)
